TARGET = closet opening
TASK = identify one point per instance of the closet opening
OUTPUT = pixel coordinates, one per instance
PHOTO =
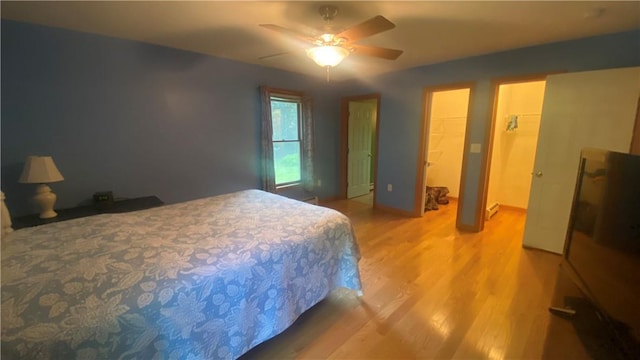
(446, 113)
(514, 138)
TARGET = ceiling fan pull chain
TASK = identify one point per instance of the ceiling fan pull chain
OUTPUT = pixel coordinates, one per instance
(328, 67)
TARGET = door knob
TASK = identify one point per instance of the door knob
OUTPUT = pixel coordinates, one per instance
(538, 173)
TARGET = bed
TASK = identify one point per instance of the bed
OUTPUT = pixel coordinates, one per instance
(204, 279)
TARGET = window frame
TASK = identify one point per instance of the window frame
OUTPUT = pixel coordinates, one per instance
(289, 97)
(307, 141)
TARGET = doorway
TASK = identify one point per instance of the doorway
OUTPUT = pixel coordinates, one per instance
(359, 143)
(446, 115)
(516, 125)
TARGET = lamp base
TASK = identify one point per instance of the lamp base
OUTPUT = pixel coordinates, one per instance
(6, 217)
(45, 200)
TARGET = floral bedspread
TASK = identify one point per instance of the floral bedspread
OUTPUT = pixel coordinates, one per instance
(204, 279)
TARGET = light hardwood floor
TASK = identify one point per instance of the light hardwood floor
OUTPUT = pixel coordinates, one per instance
(430, 291)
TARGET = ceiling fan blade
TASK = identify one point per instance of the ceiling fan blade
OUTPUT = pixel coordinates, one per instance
(274, 55)
(389, 54)
(288, 32)
(370, 27)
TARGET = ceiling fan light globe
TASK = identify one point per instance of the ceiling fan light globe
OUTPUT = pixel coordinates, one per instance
(327, 55)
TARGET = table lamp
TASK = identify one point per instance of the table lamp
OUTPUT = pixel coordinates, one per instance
(6, 218)
(42, 170)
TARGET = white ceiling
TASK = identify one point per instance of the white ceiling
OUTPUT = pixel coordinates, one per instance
(428, 31)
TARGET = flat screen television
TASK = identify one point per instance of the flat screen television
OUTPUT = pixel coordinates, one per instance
(602, 251)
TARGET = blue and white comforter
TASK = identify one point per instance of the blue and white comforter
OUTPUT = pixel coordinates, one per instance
(205, 279)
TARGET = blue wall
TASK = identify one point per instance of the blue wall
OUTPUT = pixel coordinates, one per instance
(140, 119)
(401, 103)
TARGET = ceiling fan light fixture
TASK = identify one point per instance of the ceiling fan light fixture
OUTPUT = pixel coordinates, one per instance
(327, 55)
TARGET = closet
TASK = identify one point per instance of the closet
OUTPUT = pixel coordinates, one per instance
(447, 112)
(515, 135)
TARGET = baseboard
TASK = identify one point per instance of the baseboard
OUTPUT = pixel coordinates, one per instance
(311, 200)
(328, 199)
(513, 208)
(393, 210)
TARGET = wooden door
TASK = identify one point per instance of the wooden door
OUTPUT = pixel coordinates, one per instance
(585, 109)
(360, 132)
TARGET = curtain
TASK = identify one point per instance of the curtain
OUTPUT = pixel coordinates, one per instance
(308, 144)
(268, 171)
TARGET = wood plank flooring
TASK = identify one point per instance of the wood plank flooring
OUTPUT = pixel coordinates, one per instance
(430, 291)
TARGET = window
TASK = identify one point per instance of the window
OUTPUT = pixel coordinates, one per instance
(287, 139)
(285, 122)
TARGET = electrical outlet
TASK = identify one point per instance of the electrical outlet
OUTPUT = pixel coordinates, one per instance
(319, 182)
(389, 187)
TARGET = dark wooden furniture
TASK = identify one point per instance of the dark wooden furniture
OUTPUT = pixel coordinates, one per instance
(118, 206)
(563, 340)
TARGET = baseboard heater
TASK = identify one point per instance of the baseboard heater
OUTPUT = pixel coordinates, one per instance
(311, 200)
(491, 210)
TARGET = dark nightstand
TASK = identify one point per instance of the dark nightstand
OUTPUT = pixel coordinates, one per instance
(118, 206)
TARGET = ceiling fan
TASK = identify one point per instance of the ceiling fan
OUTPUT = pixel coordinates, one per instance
(330, 48)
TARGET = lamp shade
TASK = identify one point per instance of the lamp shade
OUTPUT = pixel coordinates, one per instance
(328, 55)
(40, 170)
